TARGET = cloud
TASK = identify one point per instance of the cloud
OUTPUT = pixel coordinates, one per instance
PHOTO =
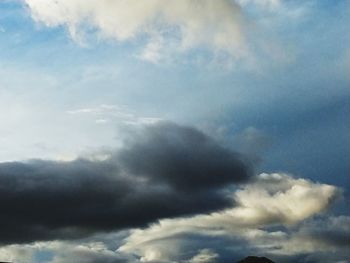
(222, 236)
(183, 157)
(325, 234)
(106, 112)
(59, 252)
(266, 4)
(273, 200)
(322, 239)
(252, 142)
(163, 170)
(204, 256)
(93, 252)
(216, 25)
(279, 198)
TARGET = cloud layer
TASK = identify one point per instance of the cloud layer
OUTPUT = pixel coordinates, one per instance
(166, 170)
(182, 24)
(272, 200)
(222, 236)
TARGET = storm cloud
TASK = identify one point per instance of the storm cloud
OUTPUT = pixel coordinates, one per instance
(167, 170)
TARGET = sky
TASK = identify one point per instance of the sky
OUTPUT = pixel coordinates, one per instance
(192, 131)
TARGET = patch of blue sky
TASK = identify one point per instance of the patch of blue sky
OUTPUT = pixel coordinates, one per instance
(282, 100)
(42, 256)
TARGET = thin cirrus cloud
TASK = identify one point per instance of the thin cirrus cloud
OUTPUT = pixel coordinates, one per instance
(217, 25)
(105, 113)
(167, 170)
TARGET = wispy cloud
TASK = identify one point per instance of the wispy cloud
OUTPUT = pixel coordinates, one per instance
(105, 113)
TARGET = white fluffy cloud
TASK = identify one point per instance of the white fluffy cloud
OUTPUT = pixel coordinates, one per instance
(279, 198)
(272, 200)
(182, 24)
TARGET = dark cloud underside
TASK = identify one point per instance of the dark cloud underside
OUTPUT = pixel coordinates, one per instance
(166, 171)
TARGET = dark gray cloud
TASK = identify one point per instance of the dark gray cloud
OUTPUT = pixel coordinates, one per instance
(183, 157)
(166, 170)
(330, 231)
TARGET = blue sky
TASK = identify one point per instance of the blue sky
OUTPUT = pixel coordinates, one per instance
(268, 79)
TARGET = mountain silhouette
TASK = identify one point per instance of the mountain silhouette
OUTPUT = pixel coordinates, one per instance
(252, 259)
